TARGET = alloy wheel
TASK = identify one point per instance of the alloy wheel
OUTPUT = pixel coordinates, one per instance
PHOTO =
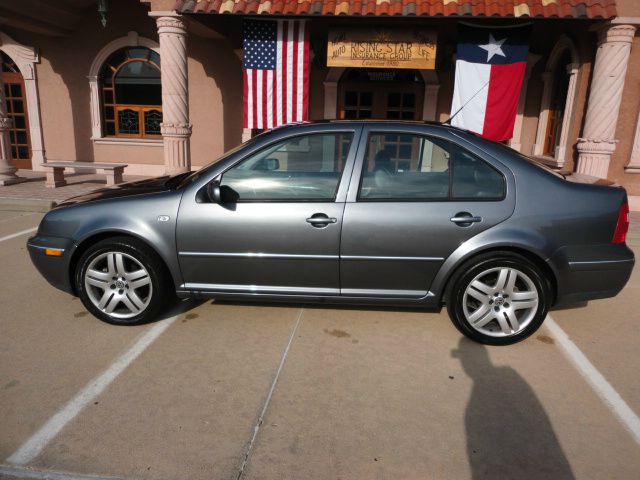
(500, 302)
(118, 285)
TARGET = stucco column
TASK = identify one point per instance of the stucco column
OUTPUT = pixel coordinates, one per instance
(7, 171)
(175, 126)
(598, 143)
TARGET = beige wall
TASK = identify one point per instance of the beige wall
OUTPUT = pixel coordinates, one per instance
(215, 87)
(626, 127)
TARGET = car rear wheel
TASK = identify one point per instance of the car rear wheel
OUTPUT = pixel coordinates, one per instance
(498, 299)
(122, 282)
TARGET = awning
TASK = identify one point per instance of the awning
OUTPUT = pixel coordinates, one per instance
(584, 9)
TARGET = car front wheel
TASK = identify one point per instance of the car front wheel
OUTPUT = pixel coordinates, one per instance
(120, 281)
(498, 299)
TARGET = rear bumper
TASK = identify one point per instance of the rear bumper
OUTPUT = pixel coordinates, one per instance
(590, 273)
(54, 269)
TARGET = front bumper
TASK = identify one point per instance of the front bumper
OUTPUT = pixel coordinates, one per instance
(55, 269)
(590, 273)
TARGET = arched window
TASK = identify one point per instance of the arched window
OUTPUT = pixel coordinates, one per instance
(131, 93)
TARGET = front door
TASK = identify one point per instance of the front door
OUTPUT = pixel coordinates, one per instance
(406, 211)
(16, 105)
(277, 229)
(380, 94)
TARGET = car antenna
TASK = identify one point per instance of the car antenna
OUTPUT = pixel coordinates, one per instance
(448, 121)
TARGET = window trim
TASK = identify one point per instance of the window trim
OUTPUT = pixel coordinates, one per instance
(449, 198)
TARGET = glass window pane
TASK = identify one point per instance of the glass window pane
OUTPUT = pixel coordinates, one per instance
(351, 114)
(128, 122)
(19, 122)
(108, 96)
(365, 114)
(408, 115)
(409, 100)
(152, 120)
(366, 99)
(16, 90)
(138, 53)
(14, 152)
(303, 168)
(110, 128)
(351, 99)
(21, 137)
(23, 152)
(400, 167)
(108, 113)
(393, 115)
(6, 90)
(474, 178)
(12, 136)
(18, 106)
(393, 100)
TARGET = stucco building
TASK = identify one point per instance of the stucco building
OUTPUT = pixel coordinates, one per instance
(160, 85)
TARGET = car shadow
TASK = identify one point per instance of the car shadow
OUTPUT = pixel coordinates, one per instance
(179, 306)
(509, 435)
(329, 306)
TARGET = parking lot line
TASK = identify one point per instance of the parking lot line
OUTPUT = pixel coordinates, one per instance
(22, 472)
(17, 234)
(600, 385)
(39, 440)
(258, 424)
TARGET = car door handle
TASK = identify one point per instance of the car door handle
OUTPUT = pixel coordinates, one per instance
(464, 219)
(321, 220)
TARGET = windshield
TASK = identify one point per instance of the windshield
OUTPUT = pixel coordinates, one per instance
(197, 174)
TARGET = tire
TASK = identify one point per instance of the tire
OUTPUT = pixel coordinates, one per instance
(499, 298)
(121, 281)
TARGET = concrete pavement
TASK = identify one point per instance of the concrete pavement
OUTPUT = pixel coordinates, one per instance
(360, 393)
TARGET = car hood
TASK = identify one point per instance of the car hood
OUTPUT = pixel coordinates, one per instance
(150, 185)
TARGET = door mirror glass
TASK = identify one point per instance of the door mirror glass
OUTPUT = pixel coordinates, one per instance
(213, 191)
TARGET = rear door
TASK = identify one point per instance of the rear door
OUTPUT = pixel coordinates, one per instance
(414, 198)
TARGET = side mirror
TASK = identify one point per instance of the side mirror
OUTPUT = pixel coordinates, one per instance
(213, 191)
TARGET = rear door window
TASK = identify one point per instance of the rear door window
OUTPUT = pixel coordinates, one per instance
(410, 167)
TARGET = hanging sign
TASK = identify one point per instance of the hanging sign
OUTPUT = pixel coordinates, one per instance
(381, 48)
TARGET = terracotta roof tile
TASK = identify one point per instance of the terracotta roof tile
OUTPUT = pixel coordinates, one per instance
(432, 8)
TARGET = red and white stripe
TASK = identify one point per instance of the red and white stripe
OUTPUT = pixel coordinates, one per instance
(486, 98)
(280, 96)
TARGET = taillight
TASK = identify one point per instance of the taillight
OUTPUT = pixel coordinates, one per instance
(620, 235)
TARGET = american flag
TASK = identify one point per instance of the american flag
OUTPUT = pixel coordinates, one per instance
(276, 72)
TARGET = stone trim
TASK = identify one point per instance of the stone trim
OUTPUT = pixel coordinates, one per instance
(138, 142)
(132, 39)
(26, 58)
(563, 44)
(634, 161)
(516, 140)
(598, 142)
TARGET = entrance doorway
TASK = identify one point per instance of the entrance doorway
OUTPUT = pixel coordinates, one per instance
(380, 94)
(16, 110)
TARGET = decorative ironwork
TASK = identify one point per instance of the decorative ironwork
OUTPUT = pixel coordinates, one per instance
(152, 120)
(128, 122)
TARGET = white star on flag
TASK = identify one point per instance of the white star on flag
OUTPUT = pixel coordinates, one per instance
(494, 47)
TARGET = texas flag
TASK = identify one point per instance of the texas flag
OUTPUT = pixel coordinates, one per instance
(489, 71)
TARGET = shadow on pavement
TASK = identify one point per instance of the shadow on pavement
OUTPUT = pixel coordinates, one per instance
(509, 435)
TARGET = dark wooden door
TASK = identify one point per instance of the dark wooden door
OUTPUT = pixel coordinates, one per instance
(17, 110)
